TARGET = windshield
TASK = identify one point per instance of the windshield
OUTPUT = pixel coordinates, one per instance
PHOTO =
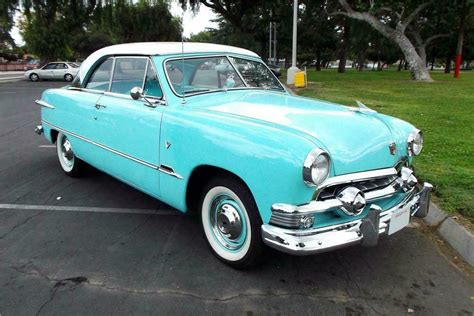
(204, 74)
(73, 65)
(256, 74)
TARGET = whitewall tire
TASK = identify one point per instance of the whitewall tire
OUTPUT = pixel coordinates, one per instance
(69, 163)
(231, 222)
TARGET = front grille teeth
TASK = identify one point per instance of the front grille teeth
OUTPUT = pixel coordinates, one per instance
(365, 186)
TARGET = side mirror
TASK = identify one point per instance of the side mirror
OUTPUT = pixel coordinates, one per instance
(136, 93)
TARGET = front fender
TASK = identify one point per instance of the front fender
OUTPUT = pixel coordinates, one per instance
(268, 159)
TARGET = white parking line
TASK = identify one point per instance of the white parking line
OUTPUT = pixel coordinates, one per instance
(56, 208)
(47, 146)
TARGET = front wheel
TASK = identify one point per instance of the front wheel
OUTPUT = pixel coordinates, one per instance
(70, 164)
(231, 222)
(34, 77)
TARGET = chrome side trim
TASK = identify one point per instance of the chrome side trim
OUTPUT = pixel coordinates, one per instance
(44, 104)
(169, 171)
(165, 169)
(101, 146)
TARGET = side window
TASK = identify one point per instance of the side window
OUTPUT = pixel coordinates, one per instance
(101, 76)
(128, 73)
(152, 84)
(61, 66)
(50, 66)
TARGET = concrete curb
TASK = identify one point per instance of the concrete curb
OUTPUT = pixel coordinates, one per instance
(11, 79)
(455, 234)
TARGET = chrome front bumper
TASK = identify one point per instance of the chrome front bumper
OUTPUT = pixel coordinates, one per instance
(362, 231)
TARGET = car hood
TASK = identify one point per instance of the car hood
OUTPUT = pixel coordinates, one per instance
(355, 140)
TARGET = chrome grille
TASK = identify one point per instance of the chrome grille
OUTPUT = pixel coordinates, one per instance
(365, 185)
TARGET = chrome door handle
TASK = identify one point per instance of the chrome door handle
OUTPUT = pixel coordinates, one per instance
(98, 106)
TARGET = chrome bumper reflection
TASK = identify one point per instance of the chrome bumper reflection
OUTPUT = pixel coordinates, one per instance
(311, 241)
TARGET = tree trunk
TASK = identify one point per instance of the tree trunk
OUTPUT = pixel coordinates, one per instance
(318, 59)
(344, 48)
(400, 64)
(462, 24)
(360, 62)
(417, 64)
(397, 35)
(449, 57)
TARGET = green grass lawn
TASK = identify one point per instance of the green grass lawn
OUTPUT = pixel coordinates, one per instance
(443, 110)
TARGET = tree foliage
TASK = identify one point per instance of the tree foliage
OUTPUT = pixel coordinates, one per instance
(417, 32)
(68, 29)
(7, 11)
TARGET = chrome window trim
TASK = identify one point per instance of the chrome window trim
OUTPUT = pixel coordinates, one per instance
(144, 75)
(170, 172)
(283, 90)
(44, 104)
(90, 73)
(112, 72)
(86, 90)
(237, 71)
(161, 100)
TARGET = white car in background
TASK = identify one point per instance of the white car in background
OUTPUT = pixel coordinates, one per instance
(59, 70)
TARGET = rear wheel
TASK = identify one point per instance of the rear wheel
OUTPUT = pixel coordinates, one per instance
(231, 222)
(34, 77)
(70, 164)
(68, 77)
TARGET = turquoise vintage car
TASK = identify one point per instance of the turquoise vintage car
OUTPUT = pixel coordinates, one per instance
(209, 128)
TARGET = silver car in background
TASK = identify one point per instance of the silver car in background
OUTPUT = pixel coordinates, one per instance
(59, 70)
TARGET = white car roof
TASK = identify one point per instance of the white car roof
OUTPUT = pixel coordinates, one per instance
(158, 48)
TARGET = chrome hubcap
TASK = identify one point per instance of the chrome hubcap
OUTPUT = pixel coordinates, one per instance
(228, 221)
(228, 225)
(66, 151)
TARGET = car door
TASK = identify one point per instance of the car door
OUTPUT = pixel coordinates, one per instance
(59, 71)
(130, 129)
(47, 71)
(77, 116)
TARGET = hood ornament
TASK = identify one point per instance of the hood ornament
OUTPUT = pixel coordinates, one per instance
(392, 147)
(362, 108)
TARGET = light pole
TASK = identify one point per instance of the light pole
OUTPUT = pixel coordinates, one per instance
(290, 78)
(275, 61)
(270, 43)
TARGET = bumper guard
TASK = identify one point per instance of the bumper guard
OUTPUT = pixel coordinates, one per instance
(365, 231)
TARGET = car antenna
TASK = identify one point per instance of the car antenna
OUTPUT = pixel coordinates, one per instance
(183, 100)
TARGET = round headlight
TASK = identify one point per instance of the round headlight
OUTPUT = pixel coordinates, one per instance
(316, 167)
(415, 143)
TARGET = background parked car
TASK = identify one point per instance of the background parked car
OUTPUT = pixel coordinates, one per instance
(57, 70)
(31, 64)
(275, 69)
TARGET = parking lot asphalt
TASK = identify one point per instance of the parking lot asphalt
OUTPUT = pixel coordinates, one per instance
(96, 246)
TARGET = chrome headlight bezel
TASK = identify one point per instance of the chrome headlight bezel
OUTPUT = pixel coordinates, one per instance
(317, 158)
(415, 143)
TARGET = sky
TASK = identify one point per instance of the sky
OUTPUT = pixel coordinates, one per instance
(192, 24)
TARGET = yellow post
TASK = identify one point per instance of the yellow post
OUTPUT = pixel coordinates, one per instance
(300, 79)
